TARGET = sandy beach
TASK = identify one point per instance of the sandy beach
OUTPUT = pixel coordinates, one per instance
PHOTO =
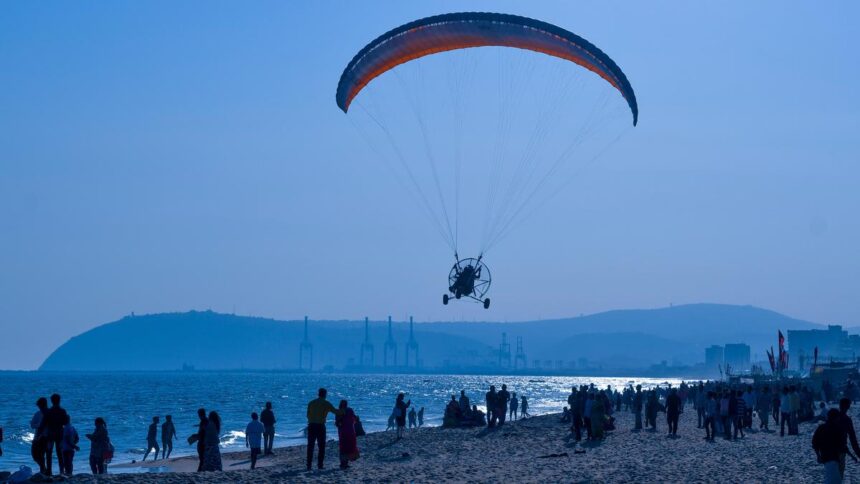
(531, 450)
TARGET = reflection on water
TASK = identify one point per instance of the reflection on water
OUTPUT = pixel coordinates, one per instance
(129, 401)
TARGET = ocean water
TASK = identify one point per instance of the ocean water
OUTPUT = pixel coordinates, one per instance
(128, 401)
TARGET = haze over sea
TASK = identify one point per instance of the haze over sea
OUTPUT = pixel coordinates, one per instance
(128, 401)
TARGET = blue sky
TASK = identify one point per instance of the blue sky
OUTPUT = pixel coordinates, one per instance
(165, 156)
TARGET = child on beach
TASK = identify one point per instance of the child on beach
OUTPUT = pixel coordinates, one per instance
(168, 433)
(254, 438)
(70, 445)
(524, 408)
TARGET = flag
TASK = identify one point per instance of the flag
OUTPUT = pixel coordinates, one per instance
(815, 357)
(770, 359)
(781, 362)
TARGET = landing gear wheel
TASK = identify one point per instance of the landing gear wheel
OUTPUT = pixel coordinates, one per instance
(487, 303)
(457, 295)
(444, 299)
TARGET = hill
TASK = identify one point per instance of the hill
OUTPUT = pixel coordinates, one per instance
(624, 339)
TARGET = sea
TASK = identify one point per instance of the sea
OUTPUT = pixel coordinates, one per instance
(128, 401)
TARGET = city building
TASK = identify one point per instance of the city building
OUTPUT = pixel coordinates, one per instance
(832, 343)
(714, 357)
(737, 357)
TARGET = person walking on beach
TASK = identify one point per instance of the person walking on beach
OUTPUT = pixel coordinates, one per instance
(711, 414)
(212, 455)
(254, 437)
(652, 406)
(598, 416)
(725, 415)
(318, 410)
(421, 417)
(70, 445)
(701, 400)
(346, 435)
(514, 404)
(828, 441)
(524, 407)
(200, 438)
(267, 418)
(637, 407)
(38, 448)
(673, 411)
(400, 413)
(54, 420)
(152, 440)
(100, 447)
(168, 433)
(502, 399)
(847, 425)
(574, 400)
(491, 406)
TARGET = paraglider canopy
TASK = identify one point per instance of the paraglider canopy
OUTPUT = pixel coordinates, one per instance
(454, 31)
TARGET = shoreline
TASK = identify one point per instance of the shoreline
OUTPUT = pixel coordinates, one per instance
(534, 449)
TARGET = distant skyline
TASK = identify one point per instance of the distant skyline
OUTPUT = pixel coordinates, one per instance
(168, 156)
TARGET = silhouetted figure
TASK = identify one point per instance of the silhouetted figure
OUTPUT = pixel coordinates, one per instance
(464, 284)
(347, 441)
(152, 439)
(254, 437)
(318, 410)
(400, 407)
(784, 412)
(267, 418)
(598, 417)
(740, 414)
(212, 459)
(465, 404)
(847, 425)
(39, 446)
(502, 398)
(763, 404)
(652, 406)
(413, 418)
(673, 411)
(712, 410)
(514, 405)
(421, 416)
(828, 441)
(54, 420)
(100, 447)
(638, 404)
(477, 416)
(491, 406)
(200, 438)
(69, 446)
(168, 433)
(726, 415)
(524, 408)
(576, 405)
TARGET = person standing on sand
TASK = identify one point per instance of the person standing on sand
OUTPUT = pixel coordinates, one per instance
(491, 406)
(254, 438)
(168, 433)
(100, 447)
(318, 410)
(725, 426)
(40, 440)
(637, 407)
(673, 411)
(711, 413)
(421, 417)
(53, 422)
(502, 399)
(784, 412)
(151, 440)
(267, 418)
(574, 400)
(652, 406)
(828, 441)
(514, 404)
(524, 407)
(200, 438)
(347, 441)
(598, 416)
(400, 413)
(740, 414)
(212, 459)
(763, 408)
(70, 445)
(700, 402)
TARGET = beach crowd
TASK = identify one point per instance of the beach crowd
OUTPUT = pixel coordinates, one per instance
(722, 410)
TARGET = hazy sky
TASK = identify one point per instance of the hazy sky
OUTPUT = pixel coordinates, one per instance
(166, 156)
